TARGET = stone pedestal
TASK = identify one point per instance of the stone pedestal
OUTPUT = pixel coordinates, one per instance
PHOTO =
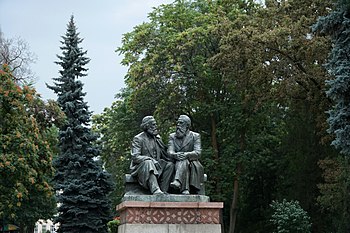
(179, 216)
(169, 228)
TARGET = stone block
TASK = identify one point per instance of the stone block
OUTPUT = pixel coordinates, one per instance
(169, 228)
(139, 212)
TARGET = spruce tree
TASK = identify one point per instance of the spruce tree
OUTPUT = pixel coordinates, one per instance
(80, 182)
(337, 25)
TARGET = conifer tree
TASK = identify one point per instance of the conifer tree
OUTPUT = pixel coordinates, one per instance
(337, 25)
(81, 183)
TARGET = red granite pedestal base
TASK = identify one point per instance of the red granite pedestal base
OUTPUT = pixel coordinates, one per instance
(176, 217)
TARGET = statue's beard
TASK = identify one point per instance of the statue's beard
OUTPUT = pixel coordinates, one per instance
(153, 132)
(180, 132)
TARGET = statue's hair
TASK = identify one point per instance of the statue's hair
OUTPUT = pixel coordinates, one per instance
(186, 119)
(145, 122)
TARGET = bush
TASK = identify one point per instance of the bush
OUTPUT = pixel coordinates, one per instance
(289, 217)
(113, 225)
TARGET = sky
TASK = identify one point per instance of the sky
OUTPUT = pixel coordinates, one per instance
(101, 24)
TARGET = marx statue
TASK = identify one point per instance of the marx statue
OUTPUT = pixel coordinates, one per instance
(150, 163)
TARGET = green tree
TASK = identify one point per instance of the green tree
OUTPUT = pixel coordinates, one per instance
(169, 54)
(25, 157)
(116, 126)
(334, 197)
(245, 74)
(177, 52)
(40, 206)
(334, 191)
(279, 48)
(81, 183)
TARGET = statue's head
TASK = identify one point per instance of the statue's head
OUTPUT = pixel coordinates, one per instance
(149, 125)
(182, 126)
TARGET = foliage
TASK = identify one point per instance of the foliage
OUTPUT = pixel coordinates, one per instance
(298, 170)
(291, 60)
(80, 182)
(117, 125)
(183, 51)
(334, 197)
(25, 156)
(250, 77)
(288, 217)
(334, 190)
(113, 225)
(337, 25)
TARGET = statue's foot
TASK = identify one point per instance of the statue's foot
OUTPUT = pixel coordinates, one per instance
(175, 184)
(158, 192)
(185, 192)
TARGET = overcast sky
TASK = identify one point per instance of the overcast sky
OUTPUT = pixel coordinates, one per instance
(100, 23)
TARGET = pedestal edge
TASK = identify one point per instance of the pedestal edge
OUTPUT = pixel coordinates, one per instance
(182, 205)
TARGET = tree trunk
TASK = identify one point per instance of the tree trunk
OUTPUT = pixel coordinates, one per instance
(31, 229)
(214, 143)
(21, 228)
(234, 204)
(214, 140)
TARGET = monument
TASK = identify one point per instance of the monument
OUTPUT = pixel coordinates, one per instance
(164, 191)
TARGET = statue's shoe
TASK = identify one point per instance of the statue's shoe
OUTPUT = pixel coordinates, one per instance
(158, 192)
(175, 184)
(185, 192)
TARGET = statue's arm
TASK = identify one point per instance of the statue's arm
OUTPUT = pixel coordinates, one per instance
(136, 148)
(163, 150)
(171, 147)
(197, 148)
(171, 150)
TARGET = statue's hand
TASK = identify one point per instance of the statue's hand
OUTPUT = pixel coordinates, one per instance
(181, 156)
(155, 162)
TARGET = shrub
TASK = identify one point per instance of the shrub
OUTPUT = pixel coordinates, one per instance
(113, 225)
(289, 217)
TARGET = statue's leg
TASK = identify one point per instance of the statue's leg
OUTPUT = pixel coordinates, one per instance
(181, 175)
(153, 184)
(186, 185)
(167, 176)
(196, 176)
(147, 176)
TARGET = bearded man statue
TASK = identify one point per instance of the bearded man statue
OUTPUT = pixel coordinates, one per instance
(150, 163)
(185, 148)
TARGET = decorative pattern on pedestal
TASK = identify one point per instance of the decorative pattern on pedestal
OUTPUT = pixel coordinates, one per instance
(169, 212)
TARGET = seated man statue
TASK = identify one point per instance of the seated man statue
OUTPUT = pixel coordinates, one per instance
(149, 160)
(185, 147)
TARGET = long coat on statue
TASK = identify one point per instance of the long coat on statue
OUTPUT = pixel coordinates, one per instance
(190, 171)
(146, 148)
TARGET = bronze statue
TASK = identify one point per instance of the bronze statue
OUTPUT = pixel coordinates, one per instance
(185, 147)
(150, 162)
